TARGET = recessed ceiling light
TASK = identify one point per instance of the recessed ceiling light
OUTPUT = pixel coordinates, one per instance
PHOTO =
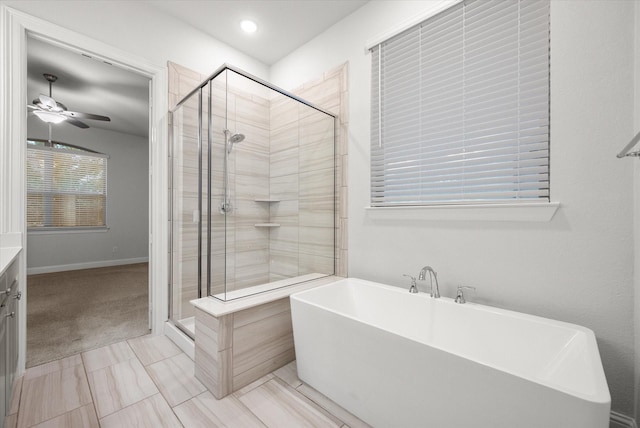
(249, 26)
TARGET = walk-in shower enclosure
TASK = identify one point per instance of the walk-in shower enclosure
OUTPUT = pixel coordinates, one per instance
(252, 191)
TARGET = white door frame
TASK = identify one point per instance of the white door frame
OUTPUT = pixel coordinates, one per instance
(13, 133)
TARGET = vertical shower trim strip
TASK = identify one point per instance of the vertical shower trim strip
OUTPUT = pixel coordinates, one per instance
(171, 212)
(209, 147)
(227, 186)
(200, 193)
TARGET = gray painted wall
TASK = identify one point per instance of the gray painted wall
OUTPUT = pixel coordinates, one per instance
(127, 202)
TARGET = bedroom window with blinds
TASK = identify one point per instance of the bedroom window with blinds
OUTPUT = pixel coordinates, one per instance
(66, 187)
(460, 107)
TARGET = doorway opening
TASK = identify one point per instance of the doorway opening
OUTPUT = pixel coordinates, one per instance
(87, 249)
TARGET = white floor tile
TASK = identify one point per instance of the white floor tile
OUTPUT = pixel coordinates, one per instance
(120, 385)
(107, 356)
(82, 417)
(52, 394)
(206, 411)
(152, 412)
(151, 349)
(277, 406)
(175, 379)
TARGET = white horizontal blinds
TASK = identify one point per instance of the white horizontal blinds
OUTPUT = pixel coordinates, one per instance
(65, 188)
(460, 107)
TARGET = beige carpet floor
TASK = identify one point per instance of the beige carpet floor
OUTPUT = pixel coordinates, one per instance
(75, 311)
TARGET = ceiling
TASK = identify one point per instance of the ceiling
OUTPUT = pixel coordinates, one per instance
(92, 86)
(283, 25)
(89, 85)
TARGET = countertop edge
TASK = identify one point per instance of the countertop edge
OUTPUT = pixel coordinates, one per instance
(7, 256)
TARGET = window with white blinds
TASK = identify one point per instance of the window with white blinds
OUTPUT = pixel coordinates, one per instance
(460, 107)
(65, 188)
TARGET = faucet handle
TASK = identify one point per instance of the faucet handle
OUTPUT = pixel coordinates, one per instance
(413, 288)
(460, 295)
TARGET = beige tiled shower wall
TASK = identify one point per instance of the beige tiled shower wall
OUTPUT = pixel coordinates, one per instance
(330, 92)
(302, 180)
(248, 253)
(286, 156)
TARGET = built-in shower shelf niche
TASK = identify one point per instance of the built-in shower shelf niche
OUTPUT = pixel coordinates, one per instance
(267, 224)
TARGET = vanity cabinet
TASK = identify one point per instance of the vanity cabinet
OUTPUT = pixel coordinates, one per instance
(9, 296)
(3, 367)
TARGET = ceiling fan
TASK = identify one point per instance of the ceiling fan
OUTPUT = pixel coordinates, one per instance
(51, 111)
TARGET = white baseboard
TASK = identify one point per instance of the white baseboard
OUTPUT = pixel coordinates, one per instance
(86, 265)
(185, 343)
(618, 420)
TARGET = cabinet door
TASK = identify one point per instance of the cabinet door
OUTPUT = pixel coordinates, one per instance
(11, 344)
(3, 367)
(3, 289)
(9, 284)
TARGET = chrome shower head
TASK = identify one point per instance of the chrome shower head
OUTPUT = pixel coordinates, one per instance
(233, 139)
(236, 138)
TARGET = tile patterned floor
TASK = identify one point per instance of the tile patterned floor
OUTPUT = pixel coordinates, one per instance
(149, 382)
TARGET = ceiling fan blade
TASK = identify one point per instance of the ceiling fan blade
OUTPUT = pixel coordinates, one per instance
(76, 122)
(47, 103)
(77, 114)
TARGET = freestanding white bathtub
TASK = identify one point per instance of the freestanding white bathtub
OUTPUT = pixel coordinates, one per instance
(396, 359)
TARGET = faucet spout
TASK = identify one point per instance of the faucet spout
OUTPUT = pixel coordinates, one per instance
(433, 277)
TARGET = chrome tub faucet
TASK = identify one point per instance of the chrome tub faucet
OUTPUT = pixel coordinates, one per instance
(433, 277)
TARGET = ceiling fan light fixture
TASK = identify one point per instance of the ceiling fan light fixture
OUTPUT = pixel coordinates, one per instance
(49, 116)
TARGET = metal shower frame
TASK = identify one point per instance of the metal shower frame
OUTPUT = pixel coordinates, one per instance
(198, 89)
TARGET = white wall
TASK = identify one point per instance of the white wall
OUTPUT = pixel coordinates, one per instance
(576, 268)
(127, 203)
(142, 30)
(133, 32)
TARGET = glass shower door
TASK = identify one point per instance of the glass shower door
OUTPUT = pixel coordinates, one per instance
(185, 211)
(253, 192)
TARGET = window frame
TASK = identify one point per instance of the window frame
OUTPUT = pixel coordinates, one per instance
(62, 147)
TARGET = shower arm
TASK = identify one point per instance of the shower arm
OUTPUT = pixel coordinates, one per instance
(625, 152)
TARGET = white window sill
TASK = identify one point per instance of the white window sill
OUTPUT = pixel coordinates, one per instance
(524, 212)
